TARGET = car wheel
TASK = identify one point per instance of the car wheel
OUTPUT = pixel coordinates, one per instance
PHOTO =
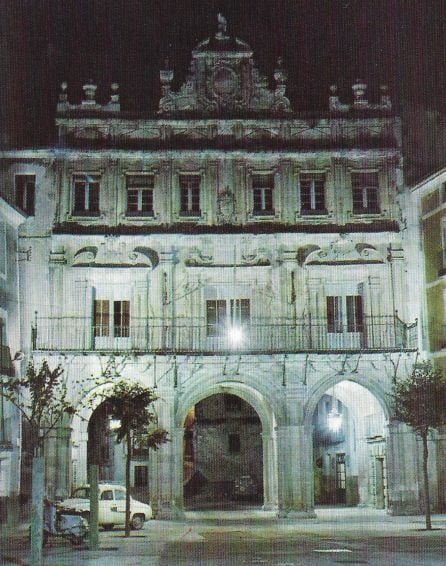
(108, 526)
(137, 522)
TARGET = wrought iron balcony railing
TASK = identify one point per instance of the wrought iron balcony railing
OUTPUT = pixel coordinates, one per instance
(188, 335)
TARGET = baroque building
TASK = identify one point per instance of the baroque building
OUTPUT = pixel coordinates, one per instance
(254, 264)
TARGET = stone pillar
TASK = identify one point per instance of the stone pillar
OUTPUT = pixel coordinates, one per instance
(168, 472)
(79, 466)
(295, 468)
(402, 470)
(270, 496)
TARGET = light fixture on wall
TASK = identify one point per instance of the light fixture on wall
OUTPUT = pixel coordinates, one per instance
(114, 424)
(235, 335)
(334, 418)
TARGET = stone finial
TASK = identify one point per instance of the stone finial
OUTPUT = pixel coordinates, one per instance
(114, 104)
(90, 92)
(359, 93)
(385, 97)
(62, 103)
(280, 74)
(333, 99)
(166, 77)
(221, 26)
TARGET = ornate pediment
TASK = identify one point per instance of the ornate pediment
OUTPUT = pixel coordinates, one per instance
(223, 78)
(343, 250)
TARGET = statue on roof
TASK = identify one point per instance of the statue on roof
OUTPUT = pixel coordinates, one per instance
(222, 25)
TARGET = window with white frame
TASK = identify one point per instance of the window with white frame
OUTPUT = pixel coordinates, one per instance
(140, 195)
(345, 314)
(222, 314)
(86, 195)
(262, 194)
(25, 192)
(190, 195)
(365, 192)
(111, 318)
(312, 193)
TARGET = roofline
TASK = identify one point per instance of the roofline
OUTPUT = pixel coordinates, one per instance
(54, 152)
(423, 185)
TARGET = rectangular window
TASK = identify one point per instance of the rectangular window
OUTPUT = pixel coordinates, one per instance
(334, 314)
(215, 317)
(355, 318)
(234, 443)
(345, 314)
(121, 318)
(117, 325)
(190, 195)
(85, 195)
(141, 476)
(365, 193)
(140, 195)
(25, 191)
(262, 194)
(239, 311)
(312, 193)
(221, 313)
(101, 318)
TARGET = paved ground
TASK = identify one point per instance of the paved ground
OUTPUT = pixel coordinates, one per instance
(254, 538)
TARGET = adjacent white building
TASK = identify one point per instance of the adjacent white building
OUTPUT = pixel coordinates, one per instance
(10, 426)
(228, 247)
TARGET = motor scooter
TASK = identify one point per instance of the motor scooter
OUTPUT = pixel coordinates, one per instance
(58, 521)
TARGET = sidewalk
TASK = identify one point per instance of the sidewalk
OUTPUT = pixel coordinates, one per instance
(145, 546)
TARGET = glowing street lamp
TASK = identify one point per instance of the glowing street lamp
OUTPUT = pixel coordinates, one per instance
(334, 420)
(115, 424)
(235, 335)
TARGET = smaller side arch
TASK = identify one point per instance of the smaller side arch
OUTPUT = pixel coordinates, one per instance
(327, 383)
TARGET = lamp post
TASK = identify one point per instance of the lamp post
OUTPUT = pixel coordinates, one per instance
(334, 418)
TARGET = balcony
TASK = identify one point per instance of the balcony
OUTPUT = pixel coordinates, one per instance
(191, 336)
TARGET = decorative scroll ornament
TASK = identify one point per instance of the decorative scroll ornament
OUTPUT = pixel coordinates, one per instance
(103, 256)
(344, 251)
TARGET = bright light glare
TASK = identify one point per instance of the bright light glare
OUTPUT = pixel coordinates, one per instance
(334, 420)
(235, 335)
(114, 424)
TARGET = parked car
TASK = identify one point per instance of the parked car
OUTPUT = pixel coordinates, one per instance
(111, 506)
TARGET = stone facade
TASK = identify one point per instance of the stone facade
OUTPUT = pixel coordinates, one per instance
(230, 245)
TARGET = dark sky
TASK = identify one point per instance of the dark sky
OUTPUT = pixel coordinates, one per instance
(42, 42)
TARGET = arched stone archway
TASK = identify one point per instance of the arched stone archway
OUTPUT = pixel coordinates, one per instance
(327, 383)
(350, 417)
(268, 425)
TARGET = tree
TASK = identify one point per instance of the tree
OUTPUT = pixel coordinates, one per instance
(419, 400)
(132, 405)
(41, 396)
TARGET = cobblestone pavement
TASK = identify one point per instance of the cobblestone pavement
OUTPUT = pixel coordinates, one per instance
(252, 537)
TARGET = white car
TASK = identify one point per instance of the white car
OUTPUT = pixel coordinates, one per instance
(111, 506)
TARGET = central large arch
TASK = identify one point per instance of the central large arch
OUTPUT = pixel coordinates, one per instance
(268, 425)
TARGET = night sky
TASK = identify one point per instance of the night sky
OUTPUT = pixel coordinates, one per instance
(42, 42)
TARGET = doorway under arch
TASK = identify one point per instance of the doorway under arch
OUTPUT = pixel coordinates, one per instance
(349, 447)
(222, 453)
(102, 448)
